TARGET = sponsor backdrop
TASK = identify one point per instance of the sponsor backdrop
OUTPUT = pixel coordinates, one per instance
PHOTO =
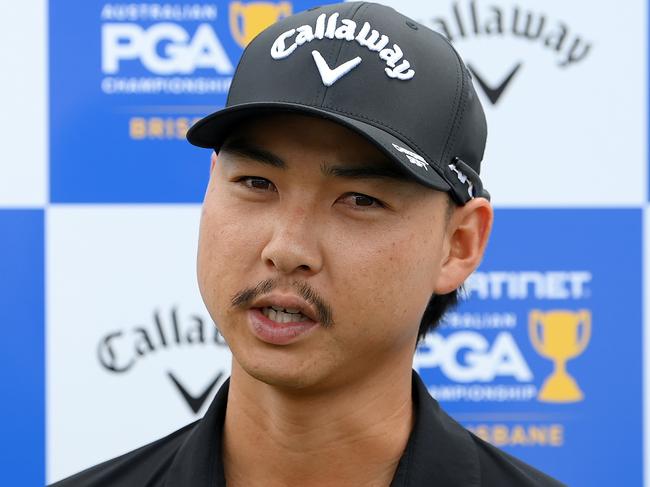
(108, 343)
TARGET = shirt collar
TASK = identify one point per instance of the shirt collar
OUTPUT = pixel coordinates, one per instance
(439, 451)
(198, 461)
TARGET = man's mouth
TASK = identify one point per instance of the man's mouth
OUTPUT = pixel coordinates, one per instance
(278, 325)
(283, 315)
(301, 304)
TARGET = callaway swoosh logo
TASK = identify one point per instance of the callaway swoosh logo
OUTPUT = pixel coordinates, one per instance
(495, 93)
(195, 403)
(329, 75)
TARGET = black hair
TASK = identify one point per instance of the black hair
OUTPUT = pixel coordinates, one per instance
(438, 305)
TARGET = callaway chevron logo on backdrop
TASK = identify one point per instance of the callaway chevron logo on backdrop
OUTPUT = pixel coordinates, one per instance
(474, 21)
(120, 350)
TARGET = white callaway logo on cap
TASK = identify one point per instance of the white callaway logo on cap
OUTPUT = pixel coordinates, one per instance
(329, 28)
(329, 75)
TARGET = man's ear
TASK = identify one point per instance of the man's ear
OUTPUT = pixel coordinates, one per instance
(213, 160)
(467, 234)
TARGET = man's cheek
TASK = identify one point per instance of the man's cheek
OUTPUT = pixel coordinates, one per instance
(223, 238)
(231, 258)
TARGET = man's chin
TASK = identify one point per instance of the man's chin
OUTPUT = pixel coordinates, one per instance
(289, 375)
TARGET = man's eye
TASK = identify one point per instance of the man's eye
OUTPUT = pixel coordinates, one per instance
(257, 183)
(359, 200)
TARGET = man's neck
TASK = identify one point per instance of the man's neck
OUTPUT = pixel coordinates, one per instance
(352, 436)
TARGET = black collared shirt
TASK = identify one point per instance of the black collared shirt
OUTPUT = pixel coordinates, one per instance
(439, 453)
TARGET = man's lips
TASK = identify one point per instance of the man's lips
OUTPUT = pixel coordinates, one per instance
(276, 333)
(287, 301)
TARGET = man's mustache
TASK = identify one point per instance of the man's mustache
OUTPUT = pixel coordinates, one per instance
(243, 299)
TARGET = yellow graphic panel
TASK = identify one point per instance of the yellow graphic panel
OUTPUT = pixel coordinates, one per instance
(560, 335)
(249, 19)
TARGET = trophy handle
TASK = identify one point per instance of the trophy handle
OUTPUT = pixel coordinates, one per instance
(237, 10)
(284, 10)
(535, 317)
(585, 319)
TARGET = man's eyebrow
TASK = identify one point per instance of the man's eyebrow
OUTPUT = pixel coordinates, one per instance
(244, 148)
(364, 171)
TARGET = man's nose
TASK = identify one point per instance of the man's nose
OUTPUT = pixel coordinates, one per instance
(294, 245)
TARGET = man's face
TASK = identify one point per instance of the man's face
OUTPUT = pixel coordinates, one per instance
(303, 213)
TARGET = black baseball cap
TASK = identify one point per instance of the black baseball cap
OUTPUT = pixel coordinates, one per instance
(364, 65)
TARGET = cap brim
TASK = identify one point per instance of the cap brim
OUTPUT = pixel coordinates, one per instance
(211, 132)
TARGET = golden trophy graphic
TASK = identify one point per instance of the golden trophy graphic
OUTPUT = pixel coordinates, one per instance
(249, 19)
(560, 341)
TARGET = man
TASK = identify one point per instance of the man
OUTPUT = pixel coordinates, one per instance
(344, 210)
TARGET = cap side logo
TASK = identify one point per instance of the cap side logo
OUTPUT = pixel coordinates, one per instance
(413, 158)
(330, 28)
(462, 177)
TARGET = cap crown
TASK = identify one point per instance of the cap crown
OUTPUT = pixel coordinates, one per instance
(376, 66)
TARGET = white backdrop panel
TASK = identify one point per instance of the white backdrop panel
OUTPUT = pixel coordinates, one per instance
(23, 102)
(116, 276)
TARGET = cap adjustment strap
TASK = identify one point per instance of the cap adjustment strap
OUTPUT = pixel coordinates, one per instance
(467, 184)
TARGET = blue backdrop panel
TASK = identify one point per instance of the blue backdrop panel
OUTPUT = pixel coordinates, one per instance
(556, 287)
(127, 80)
(22, 360)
